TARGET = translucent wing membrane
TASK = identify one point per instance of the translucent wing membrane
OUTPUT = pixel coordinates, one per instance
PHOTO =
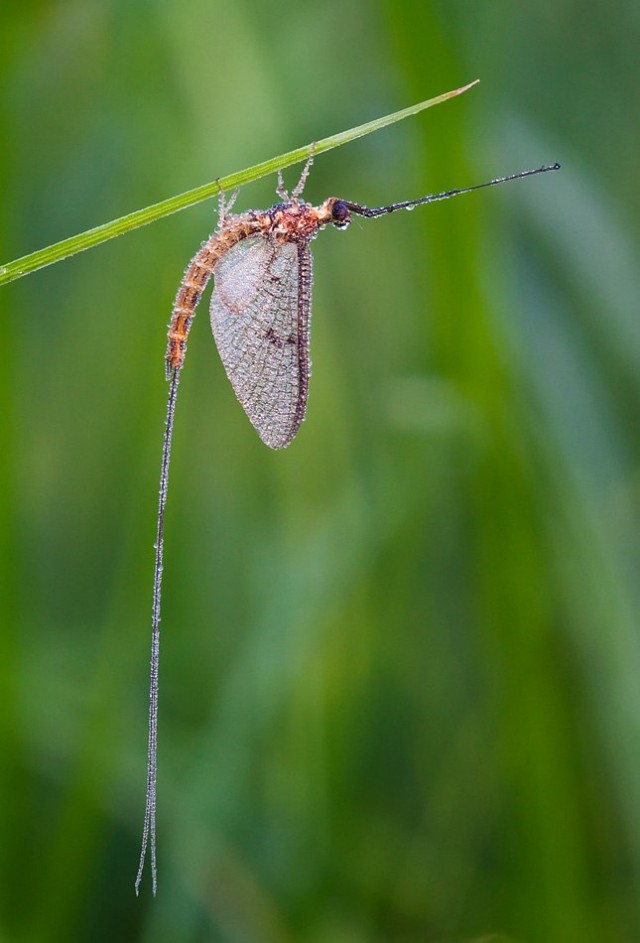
(260, 321)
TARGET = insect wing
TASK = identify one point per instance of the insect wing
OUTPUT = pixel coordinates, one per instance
(260, 311)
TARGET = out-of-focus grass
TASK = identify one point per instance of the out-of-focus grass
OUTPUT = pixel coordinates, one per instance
(398, 696)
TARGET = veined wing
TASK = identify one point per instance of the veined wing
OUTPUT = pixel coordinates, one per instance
(260, 317)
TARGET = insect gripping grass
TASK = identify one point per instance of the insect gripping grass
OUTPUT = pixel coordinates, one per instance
(260, 316)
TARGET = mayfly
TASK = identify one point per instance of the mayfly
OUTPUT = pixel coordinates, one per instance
(260, 316)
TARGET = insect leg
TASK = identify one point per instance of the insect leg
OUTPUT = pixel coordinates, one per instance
(299, 187)
(280, 190)
(225, 206)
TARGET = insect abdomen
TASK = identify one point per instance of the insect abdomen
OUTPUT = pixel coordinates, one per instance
(194, 282)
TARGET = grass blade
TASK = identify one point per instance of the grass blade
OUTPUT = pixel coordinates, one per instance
(117, 227)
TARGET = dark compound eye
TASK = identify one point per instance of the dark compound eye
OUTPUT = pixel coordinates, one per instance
(340, 213)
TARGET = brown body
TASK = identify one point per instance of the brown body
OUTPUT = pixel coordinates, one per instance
(289, 222)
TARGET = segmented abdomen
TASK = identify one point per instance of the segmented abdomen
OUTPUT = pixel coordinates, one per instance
(194, 282)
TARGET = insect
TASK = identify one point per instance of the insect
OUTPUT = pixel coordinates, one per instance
(260, 316)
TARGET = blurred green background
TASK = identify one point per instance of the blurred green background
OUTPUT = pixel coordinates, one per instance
(400, 678)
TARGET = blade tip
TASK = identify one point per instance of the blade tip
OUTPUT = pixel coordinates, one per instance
(465, 88)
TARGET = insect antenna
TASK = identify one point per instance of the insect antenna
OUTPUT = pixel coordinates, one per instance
(149, 828)
(433, 197)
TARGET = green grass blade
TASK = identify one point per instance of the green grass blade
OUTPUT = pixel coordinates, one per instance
(93, 237)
